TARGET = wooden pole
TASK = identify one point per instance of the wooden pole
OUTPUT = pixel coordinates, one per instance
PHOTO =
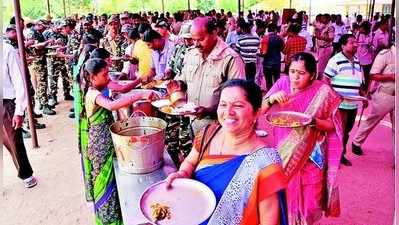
(372, 9)
(368, 10)
(63, 4)
(25, 75)
(290, 4)
(239, 7)
(392, 22)
(188, 5)
(48, 7)
(163, 6)
(69, 7)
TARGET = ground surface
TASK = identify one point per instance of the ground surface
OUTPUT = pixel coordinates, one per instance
(366, 188)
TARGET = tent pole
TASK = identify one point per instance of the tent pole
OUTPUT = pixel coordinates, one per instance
(48, 7)
(25, 74)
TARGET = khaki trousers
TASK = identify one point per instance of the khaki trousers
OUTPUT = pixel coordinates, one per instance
(381, 104)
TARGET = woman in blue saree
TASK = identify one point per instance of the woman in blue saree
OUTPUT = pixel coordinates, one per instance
(245, 175)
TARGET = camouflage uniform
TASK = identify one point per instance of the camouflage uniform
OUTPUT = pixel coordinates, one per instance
(57, 67)
(39, 67)
(73, 46)
(176, 61)
(116, 48)
(178, 138)
(102, 29)
(179, 134)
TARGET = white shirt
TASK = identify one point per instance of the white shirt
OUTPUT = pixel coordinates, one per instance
(13, 83)
(308, 37)
(339, 31)
(160, 60)
(129, 68)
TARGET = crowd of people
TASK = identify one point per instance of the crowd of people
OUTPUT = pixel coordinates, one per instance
(234, 69)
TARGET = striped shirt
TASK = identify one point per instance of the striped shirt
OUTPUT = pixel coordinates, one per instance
(248, 46)
(346, 78)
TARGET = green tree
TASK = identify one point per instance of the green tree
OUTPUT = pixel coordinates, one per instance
(205, 5)
(36, 9)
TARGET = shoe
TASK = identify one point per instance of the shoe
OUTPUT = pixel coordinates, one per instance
(37, 126)
(72, 110)
(71, 115)
(357, 150)
(51, 102)
(26, 134)
(68, 97)
(40, 126)
(48, 111)
(345, 161)
(35, 115)
(30, 182)
(38, 109)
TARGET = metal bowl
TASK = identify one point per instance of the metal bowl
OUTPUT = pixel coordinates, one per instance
(142, 107)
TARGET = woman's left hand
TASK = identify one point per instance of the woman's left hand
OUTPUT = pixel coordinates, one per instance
(173, 176)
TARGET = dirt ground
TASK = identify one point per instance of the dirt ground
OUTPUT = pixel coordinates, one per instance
(366, 188)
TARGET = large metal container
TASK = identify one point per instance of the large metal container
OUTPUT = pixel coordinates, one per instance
(139, 143)
(139, 108)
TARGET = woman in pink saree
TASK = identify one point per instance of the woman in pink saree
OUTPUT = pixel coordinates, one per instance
(310, 154)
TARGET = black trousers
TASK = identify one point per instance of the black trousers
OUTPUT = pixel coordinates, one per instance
(348, 117)
(366, 72)
(250, 71)
(13, 141)
(272, 74)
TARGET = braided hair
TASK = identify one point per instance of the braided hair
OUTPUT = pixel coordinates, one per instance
(91, 68)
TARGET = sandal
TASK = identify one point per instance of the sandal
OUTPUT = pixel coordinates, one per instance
(30, 182)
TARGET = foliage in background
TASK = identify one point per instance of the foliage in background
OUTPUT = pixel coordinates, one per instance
(36, 9)
(205, 5)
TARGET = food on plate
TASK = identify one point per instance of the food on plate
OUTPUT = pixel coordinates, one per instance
(285, 121)
(161, 103)
(186, 108)
(182, 110)
(160, 212)
(152, 84)
(167, 109)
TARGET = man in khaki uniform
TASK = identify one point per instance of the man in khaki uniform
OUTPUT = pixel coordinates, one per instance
(383, 99)
(206, 67)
